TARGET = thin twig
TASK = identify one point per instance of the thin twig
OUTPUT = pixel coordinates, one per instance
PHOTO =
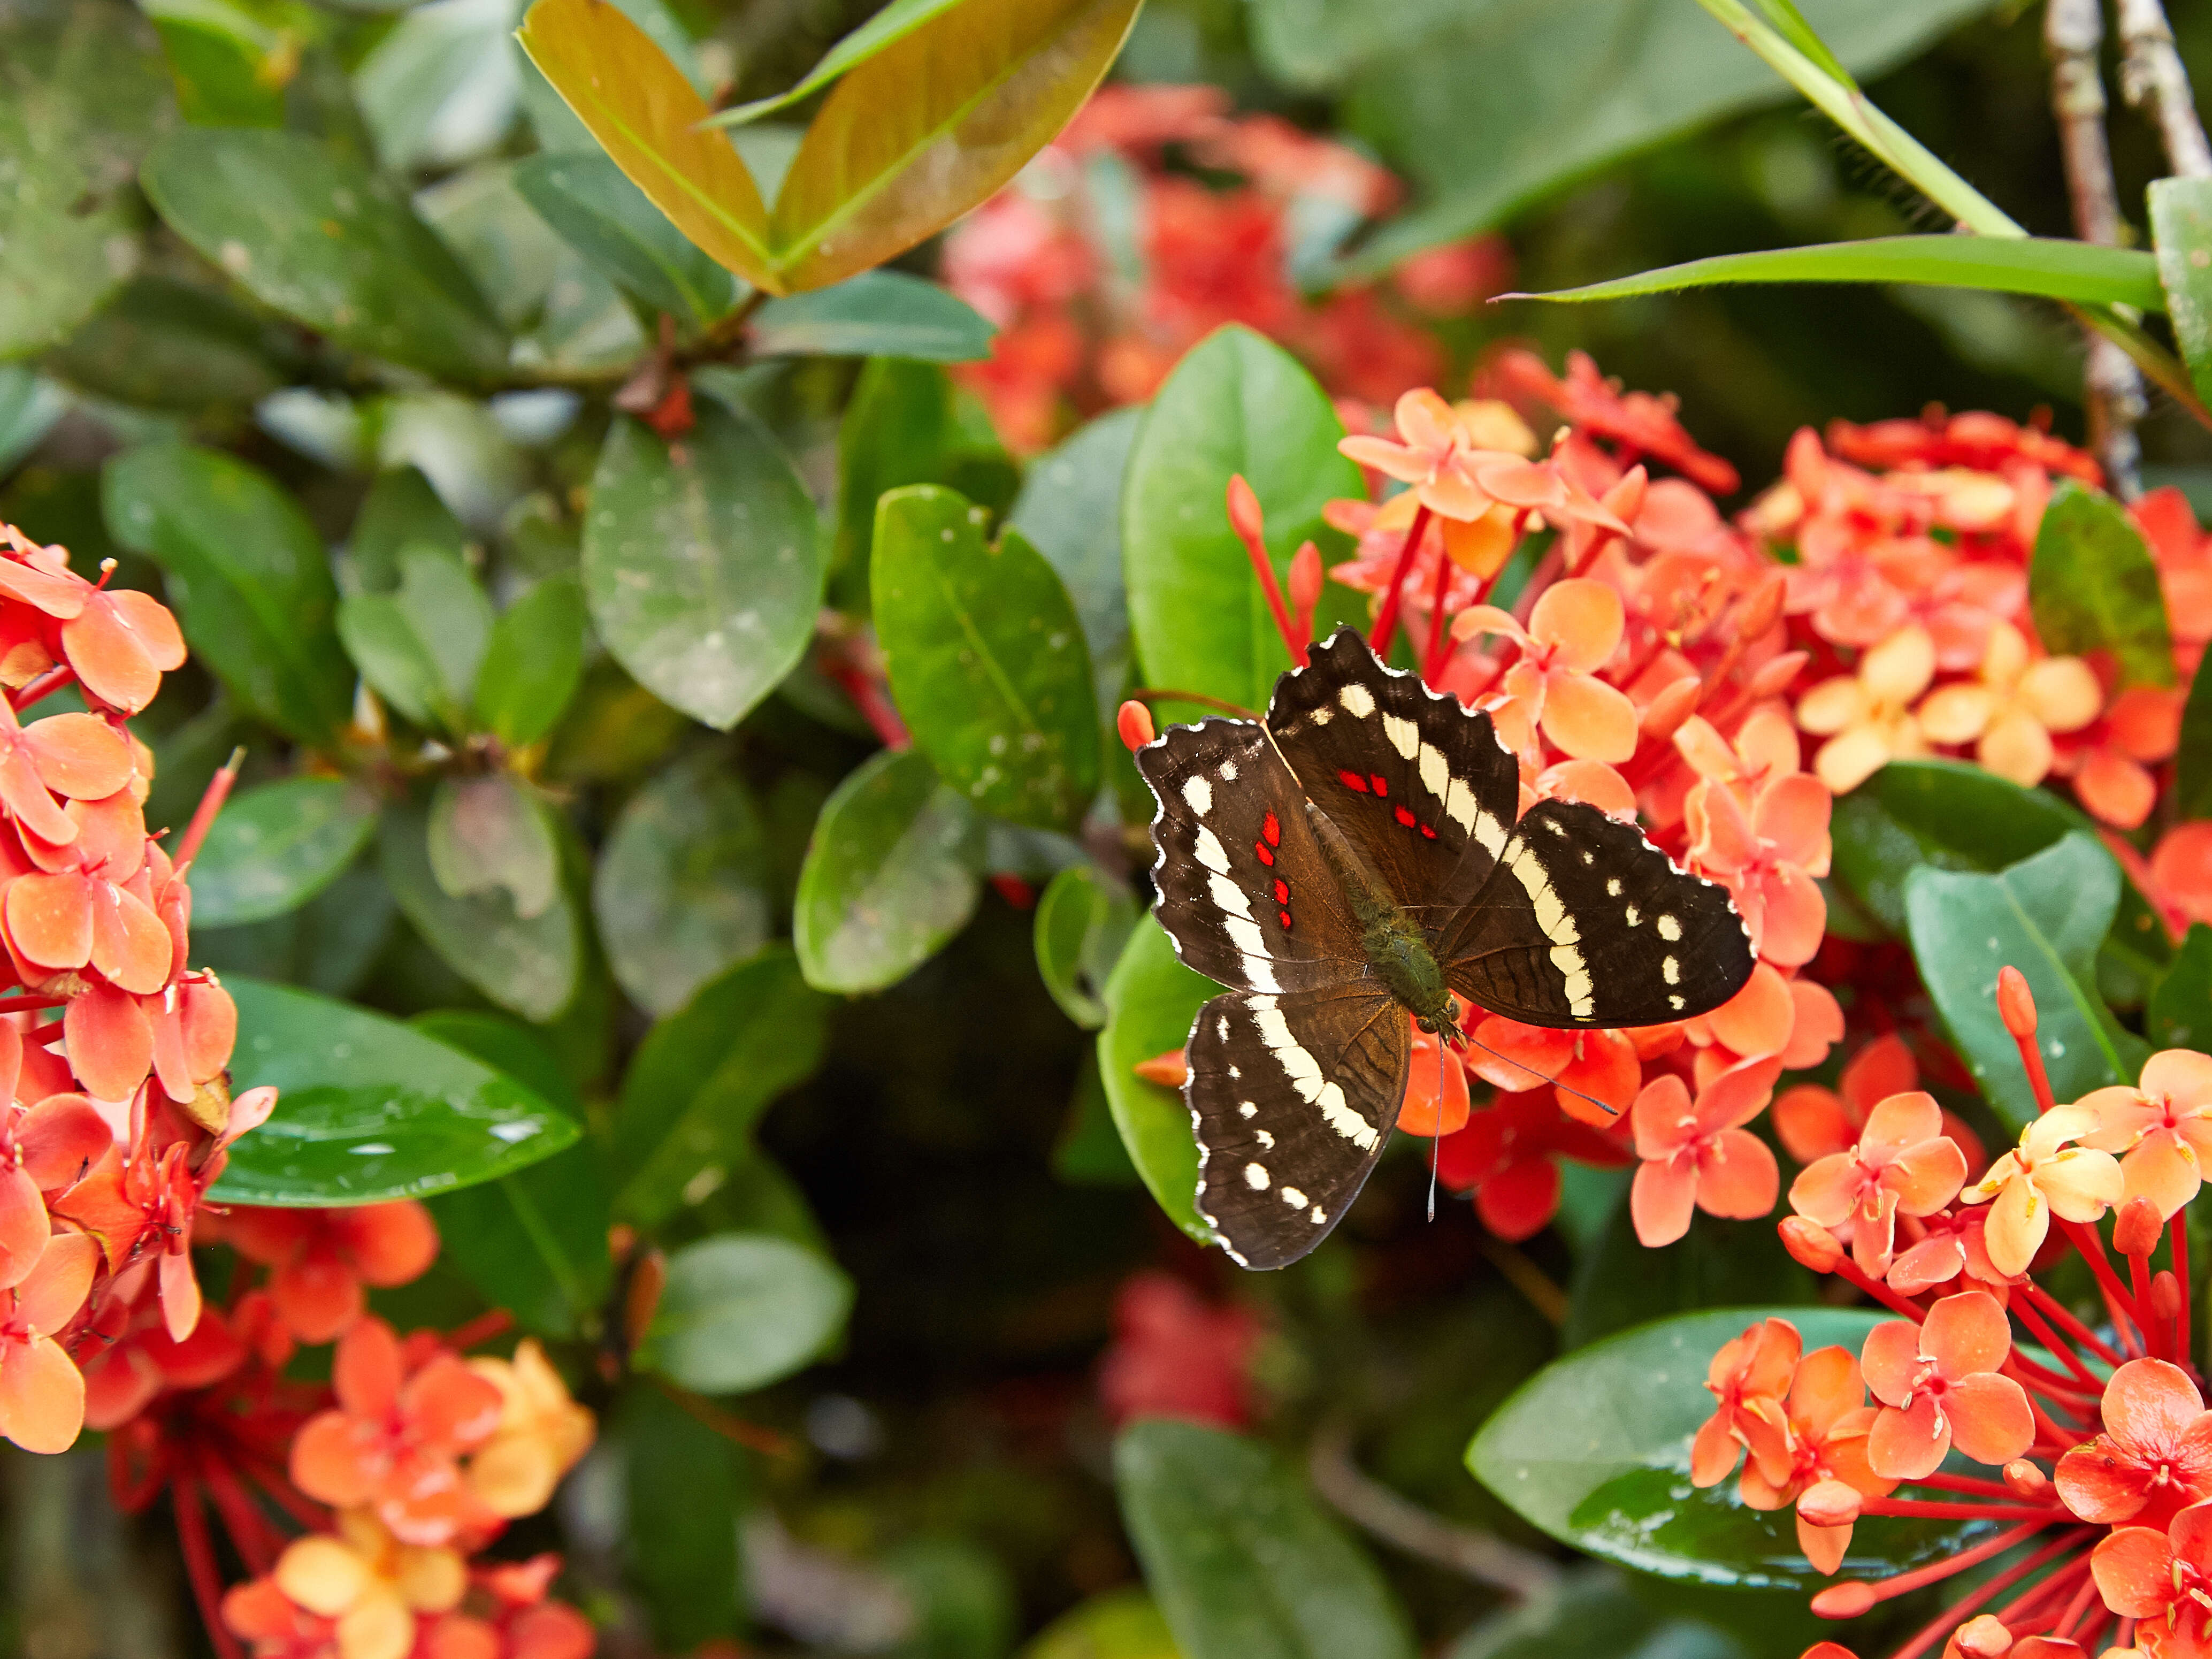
(2152, 74)
(2112, 389)
(1405, 1525)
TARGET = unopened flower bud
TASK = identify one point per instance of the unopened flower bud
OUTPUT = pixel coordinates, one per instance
(1673, 705)
(1810, 1244)
(1244, 516)
(1828, 1650)
(2165, 1295)
(2027, 1480)
(646, 1281)
(1830, 1503)
(1775, 674)
(2136, 1231)
(1845, 1601)
(1626, 499)
(1305, 580)
(1135, 723)
(1763, 609)
(1170, 1070)
(2057, 1647)
(2015, 1002)
(1986, 1637)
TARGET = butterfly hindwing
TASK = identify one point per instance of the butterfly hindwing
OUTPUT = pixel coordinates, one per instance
(1243, 890)
(1585, 922)
(1417, 781)
(1292, 1098)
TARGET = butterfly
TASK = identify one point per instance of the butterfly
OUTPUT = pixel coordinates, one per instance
(1344, 866)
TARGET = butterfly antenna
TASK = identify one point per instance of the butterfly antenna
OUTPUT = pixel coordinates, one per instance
(1435, 1140)
(1609, 1110)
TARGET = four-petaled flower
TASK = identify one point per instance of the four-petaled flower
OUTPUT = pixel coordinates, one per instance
(1572, 631)
(2009, 716)
(1757, 1366)
(1904, 1163)
(542, 1433)
(2163, 1127)
(1939, 1386)
(1768, 858)
(323, 1258)
(1436, 455)
(1866, 717)
(2163, 1579)
(1810, 1448)
(41, 1391)
(2155, 1456)
(1697, 1153)
(2041, 1178)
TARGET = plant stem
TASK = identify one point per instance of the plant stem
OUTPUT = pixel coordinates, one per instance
(2152, 74)
(1386, 619)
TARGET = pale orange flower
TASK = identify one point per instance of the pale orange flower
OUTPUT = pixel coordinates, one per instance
(1697, 1153)
(1866, 717)
(1811, 1448)
(2109, 766)
(1903, 1164)
(2163, 1124)
(1768, 858)
(1438, 454)
(542, 1433)
(1938, 1384)
(1573, 630)
(2043, 1176)
(41, 1391)
(370, 1584)
(2155, 1456)
(1755, 1366)
(2010, 714)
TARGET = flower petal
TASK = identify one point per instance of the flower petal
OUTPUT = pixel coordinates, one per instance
(1991, 1421)
(1737, 1176)
(1661, 1199)
(1909, 1443)
(1966, 1334)
(1581, 620)
(2134, 1571)
(42, 1396)
(1588, 719)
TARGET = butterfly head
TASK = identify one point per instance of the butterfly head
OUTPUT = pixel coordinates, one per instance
(1445, 1024)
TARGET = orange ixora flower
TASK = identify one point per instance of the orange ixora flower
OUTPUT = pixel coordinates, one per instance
(2163, 1127)
(1813, 1122)
(1903, 1164)
(1572, 631)
(2043, 1176)
(1938, 1384)
(1747, 1370)
(1768, 858)
(41, 1391)
(2155, 1456)
(1439, 454)
(1866, 717)
(368, 1585)
(2163, 1578)
(542, 1433)
(1697, 1153)
(1811, 1448)
(323, 1258)
(2019, 702)
(2110, 767)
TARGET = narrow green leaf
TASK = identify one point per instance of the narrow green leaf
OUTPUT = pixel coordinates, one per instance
(893, 23)
(985, 658)
(2056, 270)
(249, 578)
(610, 220)
(420, 646)
(2180, 1013)
(891, 874)
(1152, 1002)
(743, 1310)
(878, 313)
(369, 1110)
(702, 562)
(2181, 226)
(1082, 925)
(329, 243)
(1244, 1563)
(933, 124)
(533, 662)
(2093, 586)
(684, 886)
(1791, 24)
(2045, 916)
(275, 847)
(905, 424)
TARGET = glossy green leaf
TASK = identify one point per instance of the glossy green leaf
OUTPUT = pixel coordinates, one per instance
(274, 848)
(742, 1310)
(684, 886)
(985, 658)
(2093, 586)
(402, 509)
(1595, 1611)
(2192, 768)
(1152, 1002)
(534, 1242)
(421, 646)
(248, 577)
(227, 64)
(1618, 1283)
(489, 835)
(83, 94)
(329, 243)
(931, 125)
(905, 424)
(1241, 1557)
(649, 118)
(893, 23)
(1594, 1449)
(529, 967)
(1082, 925)
(702, 562)
(1121, 1624)
(609, 220)
(1070, 509)
(533, 662)
(675, 1471)
(702, 1077)
(2181, 1012)
(2181, 226)
(2045, 916)
(877, 313)
(369, 1110)
(2053, 269)
(161, 344)
(891, 874)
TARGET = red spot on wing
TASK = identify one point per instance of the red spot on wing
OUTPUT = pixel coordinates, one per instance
(1286, 921)
(1282, 891)
(1272, 829)
(1261, 848)
(1404, 817)
(1428, 832)
(1381, 784)
(1352, 781)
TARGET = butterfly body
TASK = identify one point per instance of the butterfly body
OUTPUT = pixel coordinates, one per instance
(1345, 869)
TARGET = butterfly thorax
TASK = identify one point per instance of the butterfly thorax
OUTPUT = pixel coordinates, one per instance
(1396, 947)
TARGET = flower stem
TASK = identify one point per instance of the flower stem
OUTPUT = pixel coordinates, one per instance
(1964, 1483)
(1386, 618)
(1849, 1270)
(1930, 1509)
(2127, 1318)
(206, 1578)
(1245, 521)
(1956, 1614)
(2056, 1344)
(1432, 660)
(2066, 1322)
(203, 816)
(2176, 1239)
(1149, 694)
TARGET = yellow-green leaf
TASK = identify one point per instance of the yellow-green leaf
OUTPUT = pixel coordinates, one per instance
(638, 104)
(918, 134)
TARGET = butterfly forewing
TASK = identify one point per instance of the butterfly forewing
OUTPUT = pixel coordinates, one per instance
(1292, 1098)
(1585, 922)
(1419, 781)
(1243, 890)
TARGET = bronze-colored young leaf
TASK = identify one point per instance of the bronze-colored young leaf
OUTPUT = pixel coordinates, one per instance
(639, 106)
(920, 133)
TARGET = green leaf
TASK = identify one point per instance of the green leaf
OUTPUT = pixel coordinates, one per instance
(1121, 1624)
(985, 658)
(421, 647)
(248, 574)
(933, 123)
(439, 86)
(904, 425)
(533, 662)
(683, 888)
(1618, 1283)
(650, 118)
(893, 23)
(962, 1596)
(534, 1242)
(1590, 1611)
(2045, 916)
(2053, 269)
(1082, 925)
(702, 562)
(2193, 770)
(322, 239)
(369, 1108)
(489, 834)
(610, 220)
(83, 94)
(227, 64)
(1152, 1002)
(1070, 509)
(275, 847)
(1594, 1449)
(2181, 226)
(30, 404)
(1088, 1150)
(2093, 586)
(2180, 1013)
(702, 1077)
(742, 1310)
(529, 967)
(684, 1488)
(401, 510)
(891, 874)
(1243, 1561)
(1489, 109)
(1236, 403)
(160, 343)
(878, 313)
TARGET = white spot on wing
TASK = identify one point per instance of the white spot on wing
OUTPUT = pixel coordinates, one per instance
(1245, 1108)
(1199, 793)
(1404, 736)
(1255, 1178)
(1671, 970)
(1669, 929)
(1229, 895)
(1436, 776)
(1210, 852)
(1229, 771)
(1267, 1140)
(1358, 702)
(1491, 833)
(1294, 1198)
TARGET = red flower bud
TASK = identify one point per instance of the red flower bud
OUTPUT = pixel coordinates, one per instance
(1305, 580)
(1986, 1637)
(1675, 704)
(1775, 674)
(2015, 1002)
(2165, 1295)
(2027, 1480)
(1828, 1650)
(1846, 1600)
(1830, 1503)
(2137, 1231)
(1169, 1070)
(1244, 511)
(1810, 1244)
(1135, 723)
